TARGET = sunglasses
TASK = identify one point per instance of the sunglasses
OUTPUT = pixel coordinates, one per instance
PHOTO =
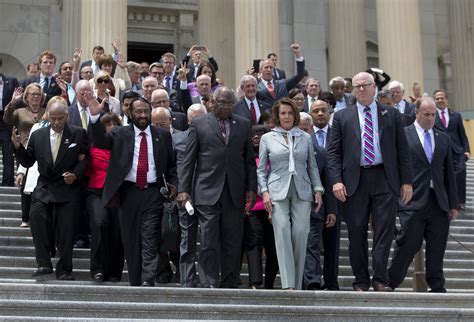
(102, 80)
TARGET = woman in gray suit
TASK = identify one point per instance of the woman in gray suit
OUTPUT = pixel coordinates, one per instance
(288, 187)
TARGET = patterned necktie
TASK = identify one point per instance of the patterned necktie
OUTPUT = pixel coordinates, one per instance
(46, 83)
(168, 82)
(397, 106)
(223, 130)
(443, 120)
(142, 166)
(427, 146)
(320, 137)
(84, 119)
(57, 144)
(253, 113)
(368, 138)
(271, 89)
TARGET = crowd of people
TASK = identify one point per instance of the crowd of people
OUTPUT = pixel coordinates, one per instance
(144, 162)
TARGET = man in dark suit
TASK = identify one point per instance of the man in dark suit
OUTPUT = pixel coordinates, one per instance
(269, 90)
(170, 79)
(319, 112)
(434, 203)
(47, 63)
(369, 163)
(160, 98)
(7, 87)
(62, 154)
(451, 123)
(312, 87)
(195, 54)
(203, 86)
(325, 217)
(142, 159)
(220, 158)
(248, 106)
(277, 72)
(343, 100)
(406, 108)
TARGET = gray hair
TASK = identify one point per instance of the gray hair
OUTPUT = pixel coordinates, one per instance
(158, 110)
(82, 83)
(312, 79)
(394, 84)
(336, 79)
(306, 117)
(133, 66)
(247, 78)
(194, 108)
(385, 93)
(159, 91)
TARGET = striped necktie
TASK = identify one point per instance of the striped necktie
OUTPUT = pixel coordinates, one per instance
(368, 138)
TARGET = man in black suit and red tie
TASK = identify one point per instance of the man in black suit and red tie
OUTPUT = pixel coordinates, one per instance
(62, 154)
(248, 106)
(142, 160)
(434, 203)
(219, 167)
(7, 87)
(270, 90)
(369, 162)
(450, 122)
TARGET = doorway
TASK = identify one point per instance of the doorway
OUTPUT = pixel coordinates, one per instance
(149, 52)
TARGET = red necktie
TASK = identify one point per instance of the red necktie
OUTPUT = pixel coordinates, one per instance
(443, 120)
(271, 89)
(142, 166)
(253, 113)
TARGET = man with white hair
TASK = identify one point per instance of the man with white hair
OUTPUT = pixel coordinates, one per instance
(203, 86)
(248, 106)
(188, 223)
(343, 100)
(160, 98)
(133, 69)
(403, 106)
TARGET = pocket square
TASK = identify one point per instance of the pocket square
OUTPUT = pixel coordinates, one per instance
(72, 145)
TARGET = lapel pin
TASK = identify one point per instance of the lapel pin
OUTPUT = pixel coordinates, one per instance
(383, 112)
(66, 141)
(156, 139)
(233, 122)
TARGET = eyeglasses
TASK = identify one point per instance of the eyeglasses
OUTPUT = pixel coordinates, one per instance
(298, 98)
(362, 86)
(34, 94)
(102, 80)
(86, 72)
(159, 102)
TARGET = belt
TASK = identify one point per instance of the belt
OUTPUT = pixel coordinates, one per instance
(380, 165)
(149, 185)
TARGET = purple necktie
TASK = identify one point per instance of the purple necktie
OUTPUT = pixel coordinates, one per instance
(368, 138)
(427, 146)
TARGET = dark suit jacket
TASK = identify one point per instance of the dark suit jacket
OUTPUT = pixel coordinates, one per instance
(329, 200)
(9, 85)
(121, 141)
(51, 186)
(242, 109)
(216, 162)
(456, 132)
(440, 171)
(345, 147)
(74, 118)
(408, 115)
(179, 121)
(281, 87)
(190, 75)
(53, 90)
(281, 74)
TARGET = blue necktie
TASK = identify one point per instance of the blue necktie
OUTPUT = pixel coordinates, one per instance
(427, 146)
(320, 137)
(168, 82)
(46, 83)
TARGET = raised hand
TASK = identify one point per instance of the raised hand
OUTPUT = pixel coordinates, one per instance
(16, 138)
(121, 62)
(17, 93)
(182, 72)
(296, 49)
(76, 58)
(117, 44)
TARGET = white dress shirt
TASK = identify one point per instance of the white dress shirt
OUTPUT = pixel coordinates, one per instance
(446, 115)
(421, 135)
(325, 133)
(375, 122)
(88, 112)
(401, 106)
(151, 174)
(255, 105)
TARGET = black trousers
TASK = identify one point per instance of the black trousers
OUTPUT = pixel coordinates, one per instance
(258, 234)
(330, 238)
(431, 224)
(25, 201)
(106, 243)
(459, 163)
(140, 220)
(222, 228)
(7, 155)
(372, 197)
(52, 226)
(82, 229)
(188, 247)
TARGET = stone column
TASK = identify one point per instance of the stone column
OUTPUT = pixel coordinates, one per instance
(399, 38)
(256, 32)
(101, 22)
(347, 41)
(216, 31)
(71, 27)
(461, 21)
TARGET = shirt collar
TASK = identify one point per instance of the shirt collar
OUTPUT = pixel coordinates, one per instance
(138, 131)
(324, 129)
(254, 101)
(373, 106)
(52, 132)
(421, 130)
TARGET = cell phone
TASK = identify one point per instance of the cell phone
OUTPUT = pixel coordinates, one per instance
(256, 65)
(199, 48)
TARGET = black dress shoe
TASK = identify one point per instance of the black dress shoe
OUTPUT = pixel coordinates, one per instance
(438, 290)
(99, 277)
(42, 271)
(314, 287)
(361, 288)
(146, 284)
(66, 277)
(381, 287)
(114, 279)
(164, 278)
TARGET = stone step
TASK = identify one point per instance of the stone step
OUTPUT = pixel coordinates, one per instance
(131, 310)
(11, 205)
(110, 292)
(10, 197)
(10, 213)
(9, 190)
(15, 251)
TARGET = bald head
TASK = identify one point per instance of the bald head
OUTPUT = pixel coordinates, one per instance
(161, 117)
